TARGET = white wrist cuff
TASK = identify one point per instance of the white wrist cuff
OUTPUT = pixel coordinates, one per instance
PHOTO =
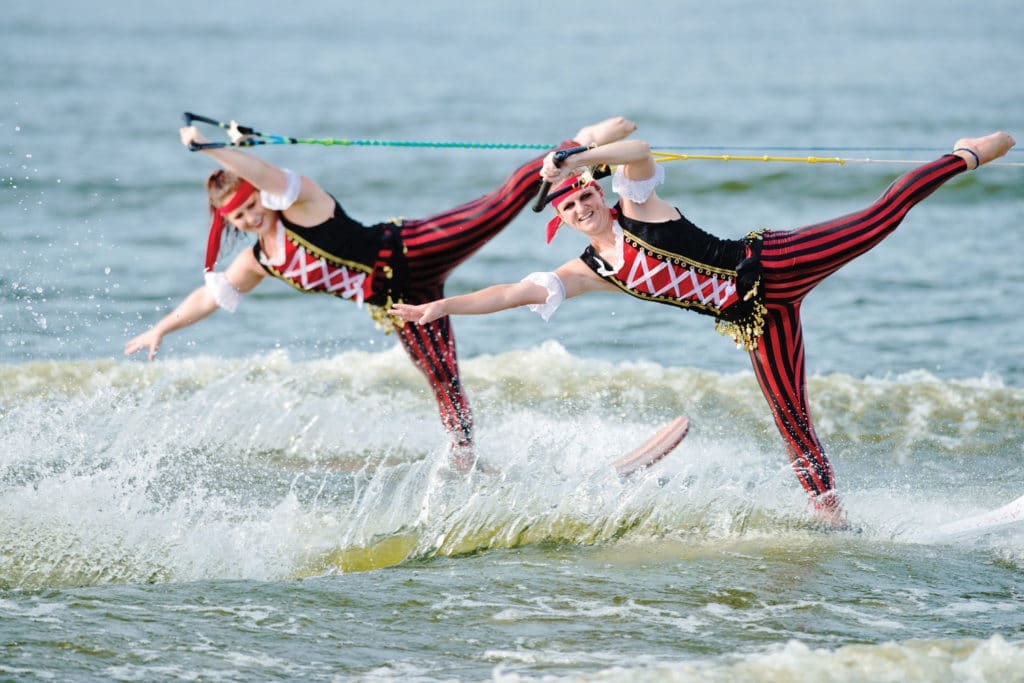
(224, 293)
(556, 293)
(637, 191)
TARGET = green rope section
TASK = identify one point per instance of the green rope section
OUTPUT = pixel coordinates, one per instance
(415, 143)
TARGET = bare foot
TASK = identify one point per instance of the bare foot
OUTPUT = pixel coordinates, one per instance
(606, 131)
(461, 458)
(986, 148)
(829, 511)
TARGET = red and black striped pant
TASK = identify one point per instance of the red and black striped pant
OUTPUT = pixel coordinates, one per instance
(794, 262)
(433, 248)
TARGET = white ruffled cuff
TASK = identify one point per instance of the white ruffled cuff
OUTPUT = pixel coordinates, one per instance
(637, 191)
(280, 202)
(556, 293)
(224, 293)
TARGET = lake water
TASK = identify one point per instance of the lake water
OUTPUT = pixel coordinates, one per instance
(269, 499)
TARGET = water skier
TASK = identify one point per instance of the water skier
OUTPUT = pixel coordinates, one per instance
(304, 237)
(753, 287)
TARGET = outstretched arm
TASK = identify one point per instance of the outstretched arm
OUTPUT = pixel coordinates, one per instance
(488, 300)
(196, 306)
(575, 277)
(243, 274)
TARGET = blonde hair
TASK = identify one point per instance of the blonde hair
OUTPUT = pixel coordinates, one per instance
(221, 186)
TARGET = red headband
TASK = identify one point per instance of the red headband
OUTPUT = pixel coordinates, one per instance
(241, 195)
(566, 189)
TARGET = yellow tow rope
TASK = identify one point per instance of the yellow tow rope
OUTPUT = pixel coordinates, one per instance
(670, 156)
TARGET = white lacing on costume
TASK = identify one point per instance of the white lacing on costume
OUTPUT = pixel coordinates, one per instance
(312, 272)
(280, 202)
(309, 271)
(223, 292)
(636, 191)
(556, 293)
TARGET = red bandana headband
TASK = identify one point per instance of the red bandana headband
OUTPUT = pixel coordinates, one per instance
(242, 194)
(566, 189)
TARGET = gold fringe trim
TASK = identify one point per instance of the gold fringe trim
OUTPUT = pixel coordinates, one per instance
(744, 334)
(384, 320)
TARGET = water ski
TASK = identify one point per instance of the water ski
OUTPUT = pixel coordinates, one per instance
(654, 449)
(982, 523)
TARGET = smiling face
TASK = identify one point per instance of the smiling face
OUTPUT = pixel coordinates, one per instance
(251, 216)
(238, 202)
(585, 211)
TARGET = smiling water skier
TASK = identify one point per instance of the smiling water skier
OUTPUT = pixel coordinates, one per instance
(753, 287)
(304, 237)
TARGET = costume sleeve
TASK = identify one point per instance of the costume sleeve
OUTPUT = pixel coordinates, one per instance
(556, 293)
(224, 293)
(280, 202)
(637, 191)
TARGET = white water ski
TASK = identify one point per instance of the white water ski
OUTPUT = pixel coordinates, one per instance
(986, 522)
(654, 449)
